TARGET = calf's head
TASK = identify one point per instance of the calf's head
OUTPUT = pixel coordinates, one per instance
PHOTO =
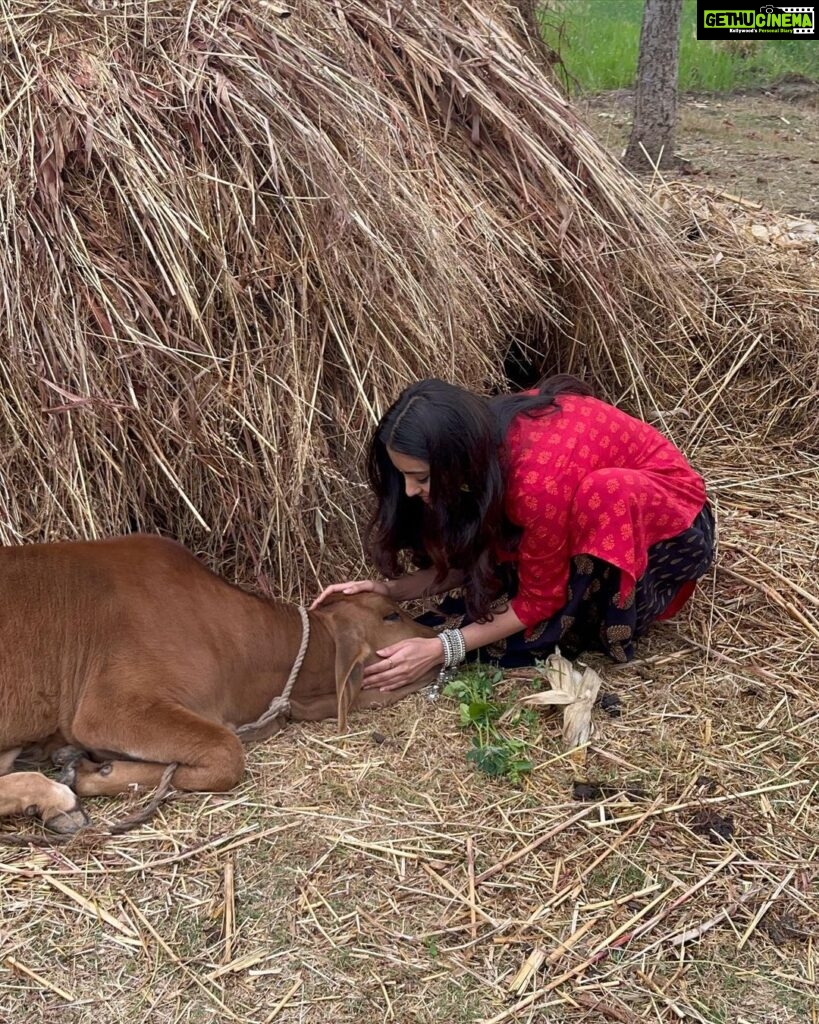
(360, 625)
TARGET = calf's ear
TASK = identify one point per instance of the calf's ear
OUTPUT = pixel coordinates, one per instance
(351, 651)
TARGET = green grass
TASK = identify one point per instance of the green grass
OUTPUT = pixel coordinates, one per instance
(494, 751)
(599, 41)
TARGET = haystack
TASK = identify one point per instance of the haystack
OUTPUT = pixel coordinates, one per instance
(230, 236)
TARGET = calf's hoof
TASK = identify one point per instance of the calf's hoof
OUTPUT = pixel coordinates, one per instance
(67, 822)
(57, 807)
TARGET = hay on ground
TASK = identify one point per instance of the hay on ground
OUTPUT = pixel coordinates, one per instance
(379, 876)
(754, 373)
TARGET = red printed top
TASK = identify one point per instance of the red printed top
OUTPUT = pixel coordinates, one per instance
(587, 478)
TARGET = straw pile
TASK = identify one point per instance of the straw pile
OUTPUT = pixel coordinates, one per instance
(228, 237)
(755, 369)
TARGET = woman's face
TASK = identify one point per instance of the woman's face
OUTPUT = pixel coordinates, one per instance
(415, 473)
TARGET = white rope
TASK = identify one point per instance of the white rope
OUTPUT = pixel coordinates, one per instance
(281, 705)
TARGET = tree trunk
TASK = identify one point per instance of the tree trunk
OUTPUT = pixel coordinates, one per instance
(527, 9)
(528, 15)
(655, 97)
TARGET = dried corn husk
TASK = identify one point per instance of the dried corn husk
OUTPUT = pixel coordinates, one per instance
(573, 690)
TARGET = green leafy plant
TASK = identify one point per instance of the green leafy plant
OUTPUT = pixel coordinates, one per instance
(504, 758)
(493, 752)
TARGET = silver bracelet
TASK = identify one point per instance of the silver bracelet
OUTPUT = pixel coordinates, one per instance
(459, 645)
(454, 645)
(447, 646)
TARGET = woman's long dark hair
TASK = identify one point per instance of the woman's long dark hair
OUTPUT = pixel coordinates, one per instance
(461, 436)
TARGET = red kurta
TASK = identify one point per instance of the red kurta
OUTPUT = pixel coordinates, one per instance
(587, 478)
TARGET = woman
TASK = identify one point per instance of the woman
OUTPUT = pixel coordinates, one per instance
(561, 519)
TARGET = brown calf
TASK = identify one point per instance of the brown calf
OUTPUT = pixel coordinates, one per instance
(133, 651)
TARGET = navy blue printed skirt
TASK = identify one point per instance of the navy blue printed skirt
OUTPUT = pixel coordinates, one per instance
(592, 618)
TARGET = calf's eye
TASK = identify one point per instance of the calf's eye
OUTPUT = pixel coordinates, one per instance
(392, 617)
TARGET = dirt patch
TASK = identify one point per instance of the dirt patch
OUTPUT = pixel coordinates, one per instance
(762, 145)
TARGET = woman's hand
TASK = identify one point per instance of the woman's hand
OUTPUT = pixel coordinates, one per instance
(352, 587)
(403, 663)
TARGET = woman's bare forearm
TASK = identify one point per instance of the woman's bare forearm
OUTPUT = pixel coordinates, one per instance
(422, 584)
(502, 625)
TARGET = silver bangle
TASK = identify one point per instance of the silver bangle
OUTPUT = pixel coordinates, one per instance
(454, 648)
(458, 644)
(449, 649)
(454, 645)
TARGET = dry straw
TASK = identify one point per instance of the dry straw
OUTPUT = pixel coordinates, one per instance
(377, 877)
(229, 237)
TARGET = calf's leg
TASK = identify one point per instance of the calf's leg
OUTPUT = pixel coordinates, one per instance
(34, 795)
(211, 758)
(7, 759)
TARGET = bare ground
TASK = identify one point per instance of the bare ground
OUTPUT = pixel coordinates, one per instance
(762, 146)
